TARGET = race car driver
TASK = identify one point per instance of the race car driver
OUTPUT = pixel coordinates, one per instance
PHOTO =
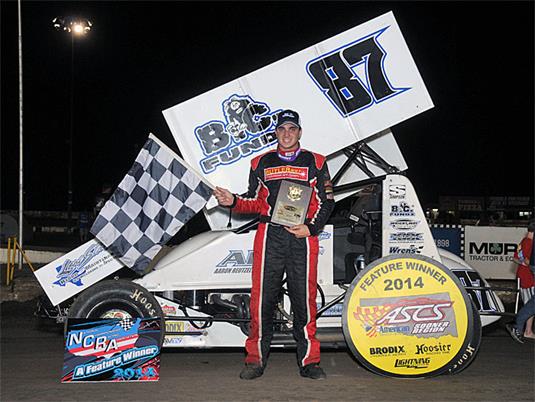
(279, 250)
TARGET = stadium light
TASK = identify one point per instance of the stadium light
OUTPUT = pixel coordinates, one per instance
(76, 27)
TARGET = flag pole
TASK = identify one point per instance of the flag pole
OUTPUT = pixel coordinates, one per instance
(21, 167)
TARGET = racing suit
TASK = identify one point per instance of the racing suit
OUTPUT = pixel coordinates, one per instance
(277, 251)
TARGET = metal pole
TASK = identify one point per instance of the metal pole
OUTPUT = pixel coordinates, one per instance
(71, 127)
(21, 166)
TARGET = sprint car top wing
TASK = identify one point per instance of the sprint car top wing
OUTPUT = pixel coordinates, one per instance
(347, 88)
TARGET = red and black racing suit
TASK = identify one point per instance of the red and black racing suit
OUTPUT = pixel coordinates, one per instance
(277, 251)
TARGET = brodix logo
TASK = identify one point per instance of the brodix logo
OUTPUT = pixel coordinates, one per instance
(388, 350)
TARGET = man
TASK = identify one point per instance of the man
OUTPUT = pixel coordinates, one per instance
(525, 275)
(280, 249)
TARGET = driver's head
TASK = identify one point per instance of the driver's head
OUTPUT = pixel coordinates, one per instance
(288, 129)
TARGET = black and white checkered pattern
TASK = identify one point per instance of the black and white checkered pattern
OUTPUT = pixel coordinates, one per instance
(127, 323)
(155, 199)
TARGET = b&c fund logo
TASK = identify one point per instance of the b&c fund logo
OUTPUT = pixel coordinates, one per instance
(248, 127)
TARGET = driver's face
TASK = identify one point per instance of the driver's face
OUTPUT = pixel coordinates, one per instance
(288, 136)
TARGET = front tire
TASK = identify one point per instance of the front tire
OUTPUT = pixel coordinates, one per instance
(117, 299)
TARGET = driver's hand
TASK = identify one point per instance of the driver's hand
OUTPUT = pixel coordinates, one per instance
(299, 231)
(224, 197)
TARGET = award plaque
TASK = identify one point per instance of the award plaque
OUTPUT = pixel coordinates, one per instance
(292, 204)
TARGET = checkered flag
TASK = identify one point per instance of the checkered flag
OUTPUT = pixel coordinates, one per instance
(126, 323)
(155, 199)
(369, 316)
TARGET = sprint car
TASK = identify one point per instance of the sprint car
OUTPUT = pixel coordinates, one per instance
(202, 286)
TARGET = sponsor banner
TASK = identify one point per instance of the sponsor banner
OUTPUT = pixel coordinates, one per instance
(76, 271)
(177, 331)
(407, 316)
(112, 350)
(405, 229)
(449, 238)
(334, 311)
(490, 250)
(355, 84)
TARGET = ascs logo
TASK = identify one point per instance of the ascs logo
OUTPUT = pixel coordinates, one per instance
(353, 77)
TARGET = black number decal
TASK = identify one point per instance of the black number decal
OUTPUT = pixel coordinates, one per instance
(335, 76)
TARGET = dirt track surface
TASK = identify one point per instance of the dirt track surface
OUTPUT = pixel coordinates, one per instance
(32, 360)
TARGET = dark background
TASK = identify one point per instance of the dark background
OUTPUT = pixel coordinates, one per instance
(140, 58)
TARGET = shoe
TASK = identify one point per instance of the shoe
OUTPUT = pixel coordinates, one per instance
(515, 333)
(313, 371)
(251, 371)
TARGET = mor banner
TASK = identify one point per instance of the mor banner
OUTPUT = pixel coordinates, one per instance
(490, 250)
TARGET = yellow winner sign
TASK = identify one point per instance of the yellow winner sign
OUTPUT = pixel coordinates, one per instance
(407, 317)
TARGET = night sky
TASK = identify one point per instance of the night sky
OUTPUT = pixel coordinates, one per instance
(140, 58)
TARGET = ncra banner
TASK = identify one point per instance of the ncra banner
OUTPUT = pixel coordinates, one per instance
(114, 350)
(346, 89)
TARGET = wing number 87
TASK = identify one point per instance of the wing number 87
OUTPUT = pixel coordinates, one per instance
(399, 284)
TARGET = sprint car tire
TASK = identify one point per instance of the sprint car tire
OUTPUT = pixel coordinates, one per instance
(117, 299)
(471, 350)
(408, 317)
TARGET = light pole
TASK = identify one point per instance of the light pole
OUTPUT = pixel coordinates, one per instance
(74, 26)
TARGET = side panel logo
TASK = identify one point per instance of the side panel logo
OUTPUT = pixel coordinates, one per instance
(236, 262)
(404, 224)
(406, 237)
(397, 191)
(72, 271)
(403, 209)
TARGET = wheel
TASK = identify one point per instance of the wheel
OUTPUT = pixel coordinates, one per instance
(410, 317)
(471, 350)
(117, 299)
